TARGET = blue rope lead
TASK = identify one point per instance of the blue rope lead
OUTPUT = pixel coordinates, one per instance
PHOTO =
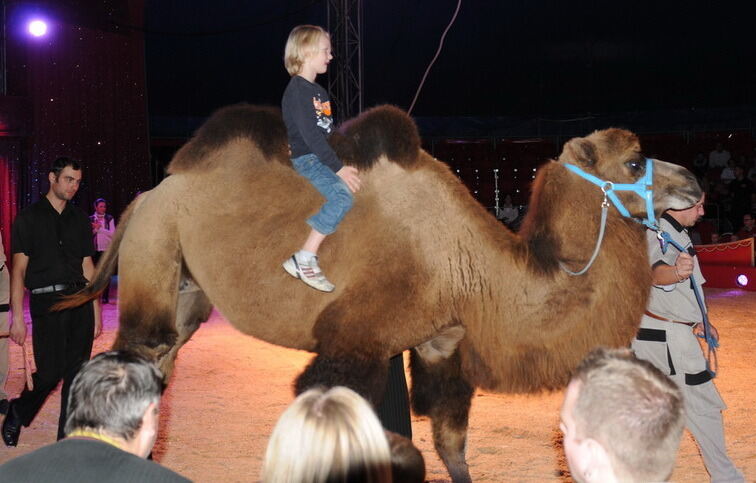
(711, 341)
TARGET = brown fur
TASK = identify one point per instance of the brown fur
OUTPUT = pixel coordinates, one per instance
(406, 270)
(261, 125)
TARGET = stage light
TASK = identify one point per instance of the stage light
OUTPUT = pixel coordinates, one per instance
(742, 280)
(37, 28)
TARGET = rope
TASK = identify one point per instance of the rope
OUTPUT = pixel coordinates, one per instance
(438, 51)
(602, 229)
(711, 341)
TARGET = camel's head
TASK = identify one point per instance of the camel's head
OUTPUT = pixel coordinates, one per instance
(614, 155)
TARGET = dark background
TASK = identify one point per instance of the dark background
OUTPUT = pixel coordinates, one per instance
(527, 58)
(121, 84)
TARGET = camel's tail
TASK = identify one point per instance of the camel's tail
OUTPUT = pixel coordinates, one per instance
(105, 267)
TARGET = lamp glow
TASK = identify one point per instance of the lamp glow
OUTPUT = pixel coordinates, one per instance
(37, 28)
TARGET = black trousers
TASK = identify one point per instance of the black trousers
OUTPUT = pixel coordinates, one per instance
(62, 343)
(394, 410)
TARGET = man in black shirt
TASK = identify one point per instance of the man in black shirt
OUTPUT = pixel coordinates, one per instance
(52, 256)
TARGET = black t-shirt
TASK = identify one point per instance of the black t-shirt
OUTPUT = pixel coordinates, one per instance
(55, 243)
(306, 111)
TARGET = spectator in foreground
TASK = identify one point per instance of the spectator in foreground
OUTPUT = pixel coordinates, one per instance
(334, 436)
(112, 424)
(622, 420)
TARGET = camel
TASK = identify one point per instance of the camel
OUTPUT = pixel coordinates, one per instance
(418, 263)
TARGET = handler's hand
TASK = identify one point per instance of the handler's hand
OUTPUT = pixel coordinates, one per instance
(350, 175)
(684, 265)
(97, 318)
(698, 330)
(18, 330)
(97, 327)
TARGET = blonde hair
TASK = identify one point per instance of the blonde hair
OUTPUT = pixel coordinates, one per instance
(327, 436)
(302, 42)
(633, 410)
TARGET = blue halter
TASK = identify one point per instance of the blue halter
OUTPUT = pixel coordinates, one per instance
(643, 187)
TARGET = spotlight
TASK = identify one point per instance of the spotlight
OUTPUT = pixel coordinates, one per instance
(37, 28)
(742, 280)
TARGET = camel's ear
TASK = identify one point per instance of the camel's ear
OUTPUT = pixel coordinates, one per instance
(580, 151)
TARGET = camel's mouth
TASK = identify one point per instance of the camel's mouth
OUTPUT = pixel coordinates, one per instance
(675, 187)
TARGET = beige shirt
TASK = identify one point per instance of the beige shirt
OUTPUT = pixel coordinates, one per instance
(678, 300)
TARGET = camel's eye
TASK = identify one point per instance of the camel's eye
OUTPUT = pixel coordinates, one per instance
(635, 167)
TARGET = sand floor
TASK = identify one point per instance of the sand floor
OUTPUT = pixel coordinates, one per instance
(228, 390)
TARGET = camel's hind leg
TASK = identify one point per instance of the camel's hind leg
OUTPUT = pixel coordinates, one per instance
(440, 391)
(193, 309)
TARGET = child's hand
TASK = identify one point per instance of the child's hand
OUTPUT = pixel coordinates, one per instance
(350, 176)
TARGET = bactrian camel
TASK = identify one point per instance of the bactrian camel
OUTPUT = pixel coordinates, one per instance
(418, 263)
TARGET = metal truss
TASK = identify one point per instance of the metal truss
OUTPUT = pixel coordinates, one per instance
(345, 73)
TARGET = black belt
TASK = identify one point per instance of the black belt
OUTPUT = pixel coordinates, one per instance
(58, 287)
(4, 307)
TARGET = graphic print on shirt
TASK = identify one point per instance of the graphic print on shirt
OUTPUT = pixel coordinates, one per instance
(323, 114)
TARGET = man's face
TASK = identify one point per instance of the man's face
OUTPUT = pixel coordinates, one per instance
(65, 186)
(690, 216)
(101, 208)
(748, 222)
(568, 426)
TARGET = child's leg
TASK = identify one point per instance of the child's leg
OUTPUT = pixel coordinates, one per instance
(339, 199)
(314, 239)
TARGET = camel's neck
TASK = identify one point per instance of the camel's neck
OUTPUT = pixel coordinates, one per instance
(563, 222)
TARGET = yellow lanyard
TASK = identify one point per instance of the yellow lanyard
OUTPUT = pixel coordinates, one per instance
(91, 434)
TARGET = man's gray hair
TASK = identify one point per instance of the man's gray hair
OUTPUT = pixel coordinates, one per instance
(111, 394)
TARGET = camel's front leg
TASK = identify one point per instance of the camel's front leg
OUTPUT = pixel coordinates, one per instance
(440, 391)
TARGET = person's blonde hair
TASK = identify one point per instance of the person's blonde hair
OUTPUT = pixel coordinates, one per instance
(328, 436)
(633, 410)
(303, 41)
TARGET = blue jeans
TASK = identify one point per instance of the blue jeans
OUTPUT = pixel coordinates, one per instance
(338, 197)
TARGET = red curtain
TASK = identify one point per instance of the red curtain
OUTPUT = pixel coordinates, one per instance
(10, 160)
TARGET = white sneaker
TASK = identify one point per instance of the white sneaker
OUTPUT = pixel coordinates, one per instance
(309, 272)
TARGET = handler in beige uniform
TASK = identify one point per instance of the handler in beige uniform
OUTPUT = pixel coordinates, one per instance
(667, 339)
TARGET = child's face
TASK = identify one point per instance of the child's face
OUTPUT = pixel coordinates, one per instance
(318, 60)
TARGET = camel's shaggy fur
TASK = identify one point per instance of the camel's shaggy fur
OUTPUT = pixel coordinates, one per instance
(417, 263)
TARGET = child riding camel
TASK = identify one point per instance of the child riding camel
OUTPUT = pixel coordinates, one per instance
(306, 111)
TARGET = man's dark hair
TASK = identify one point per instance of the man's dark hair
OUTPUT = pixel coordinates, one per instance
(111, 393)
(60, 164)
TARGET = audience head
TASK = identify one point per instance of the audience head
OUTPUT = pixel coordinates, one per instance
(302, 42)
(101, 206)
(117, 395)
(748, 221)
(327, 436)
(622, 419)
